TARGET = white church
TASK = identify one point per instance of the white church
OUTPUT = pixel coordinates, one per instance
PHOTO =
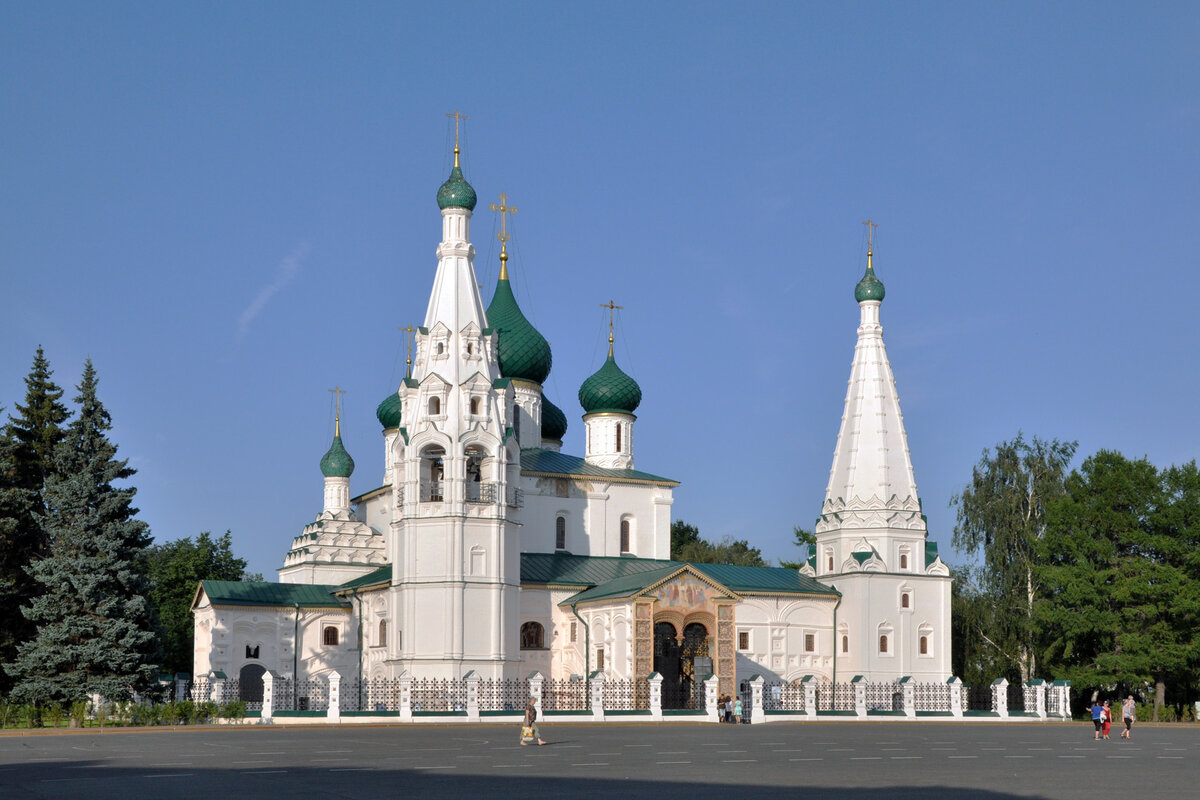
(489, 549)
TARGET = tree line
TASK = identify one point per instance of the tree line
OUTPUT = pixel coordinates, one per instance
(88, 604)
(1089, 574)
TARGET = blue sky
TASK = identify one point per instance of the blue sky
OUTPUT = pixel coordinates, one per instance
(230, 208)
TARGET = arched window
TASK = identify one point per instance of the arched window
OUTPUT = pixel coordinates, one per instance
(250, 684)
(904, 602)
(474, 406)
(330, 636)
(924, 647)
(560, 533)
(904, 561)
(883, 643)
(831, 562)
(533, 636)
(624, 536)
(618, 437)
(441, 348)
(382, 633)
(845, 644)
(432, 472)
(435, 406)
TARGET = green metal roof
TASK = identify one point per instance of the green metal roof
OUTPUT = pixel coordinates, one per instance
(931, 552)
(554, 421)
(609, 576)
(870, 287)
(265, 593)
(456, 192)
(388, 412)
(610, 389)
(337, 463)
(521, 351)
(539, 460)
(381, 575)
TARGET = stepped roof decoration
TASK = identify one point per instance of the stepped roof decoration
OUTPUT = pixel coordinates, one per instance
(337, 463)
(388, 411)
(554, 421)
(609, 389)
(521, 350)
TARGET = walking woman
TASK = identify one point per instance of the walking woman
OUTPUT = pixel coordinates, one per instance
(1129, 712)
(529, 728)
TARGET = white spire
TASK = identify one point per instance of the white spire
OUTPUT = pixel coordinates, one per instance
(871, 491)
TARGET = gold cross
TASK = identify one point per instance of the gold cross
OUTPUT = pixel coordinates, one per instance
(504, 209)
(457, 118)
(871, 226)
(337, 392)
(611, 308)
(408, 363)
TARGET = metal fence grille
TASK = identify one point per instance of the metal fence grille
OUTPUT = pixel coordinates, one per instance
(626, 695)
(503, 694)
(1054, 702)
(439, 694)
(884, 697)
(310, 694)
(380, 694)
(931, 696)
(783, 697)
(835, 696)
(978, 698)
(564, 694)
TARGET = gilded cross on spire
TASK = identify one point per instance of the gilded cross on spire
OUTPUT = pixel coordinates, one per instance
(410, 330)
(457, 119)
(611, 308)
(504, 209)
(337, 392)
(871, 226)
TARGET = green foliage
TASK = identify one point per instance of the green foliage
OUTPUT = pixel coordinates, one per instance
(1121, 605)
(686, 545)
(27, 447)
(91, 615)
(806, 540)
(1002, 516)
(174, 570)
(974, 657)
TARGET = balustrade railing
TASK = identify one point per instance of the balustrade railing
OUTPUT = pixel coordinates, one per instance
(931, 697)
(783, 697)
(431, 492)
(481, 492)
(515, 498)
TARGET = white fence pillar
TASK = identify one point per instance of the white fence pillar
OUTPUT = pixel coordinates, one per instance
(909, 693)
(472, 680)
(1039, 697)
(956, 704)
(535, 690)
(1064, 698)
(860, 696)
(597, 681)
(1000, 696)
(756, 700)
(334, 712)
(406, 714)
(810, 696)
(710, 698)
(655, 681)
(268, 710)
(216, 687)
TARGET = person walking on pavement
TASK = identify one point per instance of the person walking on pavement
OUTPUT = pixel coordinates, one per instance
(1129, 713)
(1097, 717)
(529, 728)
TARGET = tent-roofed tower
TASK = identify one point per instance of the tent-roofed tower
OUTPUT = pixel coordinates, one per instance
(871, 520)
(455, 546)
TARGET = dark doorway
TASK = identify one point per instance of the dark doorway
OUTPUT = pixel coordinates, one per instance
(250, 685)
(675, 660)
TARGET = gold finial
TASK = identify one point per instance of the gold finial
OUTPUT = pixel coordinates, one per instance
(337, 392)
(457, 118)
(871, 226)
(504, 209)
(410, 330)
(611, 308)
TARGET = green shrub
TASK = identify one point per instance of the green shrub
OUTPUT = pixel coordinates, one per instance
(79, 711)
(55, 714)
(234, 709)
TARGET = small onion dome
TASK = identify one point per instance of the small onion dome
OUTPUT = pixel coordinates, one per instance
(456, 192)
(388, 412)
(337, 463)
(610, 389)
(870, 287)
(522, 351)
(554, 421)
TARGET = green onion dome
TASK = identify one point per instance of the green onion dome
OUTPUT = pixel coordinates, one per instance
(456, 192)
(870, 287)
(554, 421)
(610, 389)
(521, 351)
(337, 463)
(388, 412)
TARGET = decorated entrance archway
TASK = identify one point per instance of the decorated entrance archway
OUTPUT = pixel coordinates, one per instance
(683, 663)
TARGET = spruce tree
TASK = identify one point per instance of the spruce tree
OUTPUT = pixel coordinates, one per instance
(93, 631)
(26, 458)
